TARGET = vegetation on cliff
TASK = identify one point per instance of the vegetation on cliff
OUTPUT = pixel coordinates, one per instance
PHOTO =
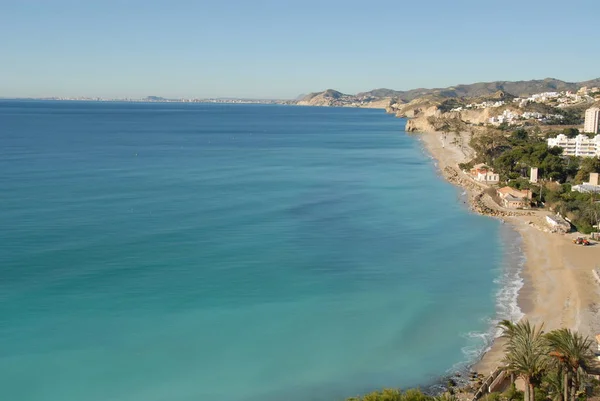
(512, 155)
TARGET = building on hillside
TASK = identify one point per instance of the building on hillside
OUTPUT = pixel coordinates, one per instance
(513, 202)
(590, 187)
(581, 145)
(513, 198)
(592, 120)
(482, 173)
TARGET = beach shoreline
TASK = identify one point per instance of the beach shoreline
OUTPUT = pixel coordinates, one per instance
(558, 287)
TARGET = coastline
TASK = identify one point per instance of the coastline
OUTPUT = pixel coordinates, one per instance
(558, 286)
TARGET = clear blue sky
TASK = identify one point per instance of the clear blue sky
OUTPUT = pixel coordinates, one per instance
(265, 48)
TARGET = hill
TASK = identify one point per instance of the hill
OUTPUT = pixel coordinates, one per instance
(154, 99)
(481, 89)
(328, 97)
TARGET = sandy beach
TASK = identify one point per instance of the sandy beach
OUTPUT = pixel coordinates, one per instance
(559, 288)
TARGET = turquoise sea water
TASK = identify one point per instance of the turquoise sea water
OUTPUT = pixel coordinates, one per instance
(230, 253)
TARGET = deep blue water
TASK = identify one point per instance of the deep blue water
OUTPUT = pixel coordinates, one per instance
(230, 253)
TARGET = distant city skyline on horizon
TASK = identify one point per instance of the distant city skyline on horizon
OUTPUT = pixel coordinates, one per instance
(175, 98)
(269, 50)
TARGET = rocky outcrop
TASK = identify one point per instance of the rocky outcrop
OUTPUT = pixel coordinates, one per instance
(375, 104)
(419, 117)
(333, 98)
(418, 125)
(325, 98)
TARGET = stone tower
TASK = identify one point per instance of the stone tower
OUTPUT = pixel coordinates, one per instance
(533, 175)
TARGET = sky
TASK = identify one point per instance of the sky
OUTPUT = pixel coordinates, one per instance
(284, 48)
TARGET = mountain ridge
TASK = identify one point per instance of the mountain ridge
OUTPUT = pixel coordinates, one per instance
(331, 97)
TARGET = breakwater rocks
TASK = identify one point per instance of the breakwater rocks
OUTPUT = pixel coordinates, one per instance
(478, 205)
(455, 178)
(477, 202)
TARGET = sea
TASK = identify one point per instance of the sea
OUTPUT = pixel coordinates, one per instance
(192, 252)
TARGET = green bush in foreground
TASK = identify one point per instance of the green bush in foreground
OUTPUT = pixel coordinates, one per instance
(493, 397)
(397, 395)
(553, 366)
(512, 394)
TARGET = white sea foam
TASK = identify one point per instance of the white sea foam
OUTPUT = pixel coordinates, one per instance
(509, 283)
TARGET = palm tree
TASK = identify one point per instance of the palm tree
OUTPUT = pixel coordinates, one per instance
(553, 381)
(526, 353)
(571, 352)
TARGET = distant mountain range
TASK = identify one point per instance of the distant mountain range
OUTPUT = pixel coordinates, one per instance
(332, 97)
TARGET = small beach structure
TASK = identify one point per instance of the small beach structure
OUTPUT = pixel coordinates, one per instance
(588, 187)
(598, 341)
(482, 173)
(513, 198)
(558, 224)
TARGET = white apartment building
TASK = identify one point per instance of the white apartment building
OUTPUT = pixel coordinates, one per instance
(592, 120)
(581, 145)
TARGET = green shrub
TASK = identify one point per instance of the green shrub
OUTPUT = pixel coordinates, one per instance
(415, 395)
(512, 394)
(583, 226)
(520, 183)
(466, 166)
(541, 394)
(446, 397)
(387, 394)
(492, 397)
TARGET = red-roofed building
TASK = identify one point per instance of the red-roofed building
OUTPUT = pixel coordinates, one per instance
(484, 174)
(515, 199)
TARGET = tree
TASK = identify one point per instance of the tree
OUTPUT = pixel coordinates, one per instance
(440, 124)
(519, 137)
(588, 165)
(514, 162)
(457, 127)
(591, 212)
(526, 354)
(570, 352)
(570, 132)
(572, 167)
(554, 384)
(491, 144)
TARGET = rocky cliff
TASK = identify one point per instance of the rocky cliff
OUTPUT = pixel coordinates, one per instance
(418, 113)
(334, 98)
